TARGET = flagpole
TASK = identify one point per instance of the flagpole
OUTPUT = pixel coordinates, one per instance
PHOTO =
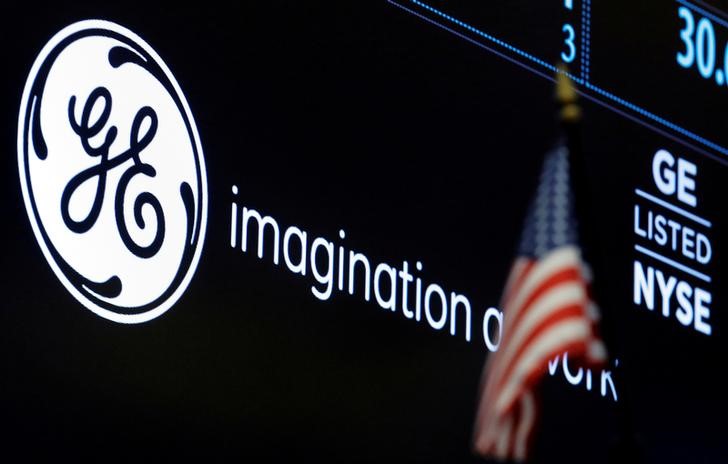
(626, 450)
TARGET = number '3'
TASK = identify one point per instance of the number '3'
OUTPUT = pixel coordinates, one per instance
(686, 59)
(569, 41)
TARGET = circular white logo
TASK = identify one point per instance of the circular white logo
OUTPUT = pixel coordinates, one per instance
(112, 171)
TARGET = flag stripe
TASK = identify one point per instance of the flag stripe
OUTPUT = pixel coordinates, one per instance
(525, 426)
(561, 276)
(554, 318)
(520, 270)
(553, 264)
(568, 293)
(564, 257)
(547, 345)
(503, 443)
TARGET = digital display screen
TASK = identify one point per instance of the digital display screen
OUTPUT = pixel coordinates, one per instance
(275, 231)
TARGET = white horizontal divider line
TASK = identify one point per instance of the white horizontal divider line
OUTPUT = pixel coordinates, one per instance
(673, 263)
(671, 207)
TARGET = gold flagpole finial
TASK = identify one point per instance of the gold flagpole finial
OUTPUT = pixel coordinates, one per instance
(566, 96)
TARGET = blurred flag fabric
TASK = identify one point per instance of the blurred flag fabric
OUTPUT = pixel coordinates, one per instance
(547, 310)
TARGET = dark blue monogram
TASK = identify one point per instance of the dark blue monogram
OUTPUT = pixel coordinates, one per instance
(87, 129)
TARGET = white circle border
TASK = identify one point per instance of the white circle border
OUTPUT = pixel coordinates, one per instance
(22, 131)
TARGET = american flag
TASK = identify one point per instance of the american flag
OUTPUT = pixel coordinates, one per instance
(547, 310)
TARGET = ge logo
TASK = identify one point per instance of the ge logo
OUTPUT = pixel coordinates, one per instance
(112, 171)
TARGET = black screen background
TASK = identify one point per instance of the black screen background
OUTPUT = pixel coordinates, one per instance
(350, 115)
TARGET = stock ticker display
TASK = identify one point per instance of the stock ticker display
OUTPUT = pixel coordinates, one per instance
(270, 231)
